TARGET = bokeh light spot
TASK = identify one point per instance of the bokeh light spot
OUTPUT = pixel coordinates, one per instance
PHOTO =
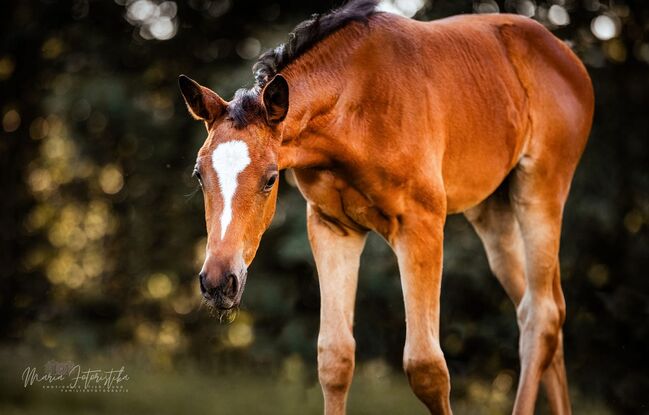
(558, 15)
(11, 121)
(218, 8)
(141, 10)
(156, 21)
(598, 275)
(633, 221)
(240, 333)
(7, 66)
(169, 335)
(615, 50)
(39, 128)
(96, 222)
(249, 48)
(39, 180)
(92, 263)
(406, 8)
(111, 180)
(52, 48)
(145, 333)
(184, 304)
(163, 28)
(503, 382)
(642, 52)
(605, 27)
(486, 6)
(293, 369)
(526, 8)
(159, 285)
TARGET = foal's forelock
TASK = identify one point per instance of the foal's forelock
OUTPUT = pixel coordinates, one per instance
(229, 159)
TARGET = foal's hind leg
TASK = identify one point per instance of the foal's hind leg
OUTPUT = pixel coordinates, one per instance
(497, 227)
(538, 192)
(337, 254)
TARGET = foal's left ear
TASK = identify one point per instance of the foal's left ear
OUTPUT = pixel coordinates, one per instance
(202, 103)
(275, 96)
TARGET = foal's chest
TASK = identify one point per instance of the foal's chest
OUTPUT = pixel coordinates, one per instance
(342, 204)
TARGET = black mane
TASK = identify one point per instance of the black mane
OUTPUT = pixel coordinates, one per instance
(307, 34)
(245, 104)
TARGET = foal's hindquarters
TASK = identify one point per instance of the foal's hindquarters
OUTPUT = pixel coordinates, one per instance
(496, 133)
(520, 225)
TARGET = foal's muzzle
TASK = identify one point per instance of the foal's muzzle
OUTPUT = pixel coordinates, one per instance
(223, 291)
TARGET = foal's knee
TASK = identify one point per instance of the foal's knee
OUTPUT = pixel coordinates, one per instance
(336, 364)
(428, 376)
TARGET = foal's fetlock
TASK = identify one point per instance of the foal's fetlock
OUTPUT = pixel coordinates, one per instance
(429, 379)
(335, 366)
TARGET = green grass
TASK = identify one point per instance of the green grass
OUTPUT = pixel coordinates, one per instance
(191, 391)
(187, 389)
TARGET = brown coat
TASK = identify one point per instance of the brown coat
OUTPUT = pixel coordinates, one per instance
(390, 124)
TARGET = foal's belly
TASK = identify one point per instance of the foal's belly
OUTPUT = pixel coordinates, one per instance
(472, 183)
(483, 165)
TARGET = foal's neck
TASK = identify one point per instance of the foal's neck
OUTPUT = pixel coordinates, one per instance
(315, 123)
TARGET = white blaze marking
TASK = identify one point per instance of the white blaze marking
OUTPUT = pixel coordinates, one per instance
(229, 159)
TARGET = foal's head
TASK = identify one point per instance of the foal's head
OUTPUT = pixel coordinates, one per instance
(237, 168)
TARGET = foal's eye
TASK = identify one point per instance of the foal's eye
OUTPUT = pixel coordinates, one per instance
(270, 182)
(197, 174)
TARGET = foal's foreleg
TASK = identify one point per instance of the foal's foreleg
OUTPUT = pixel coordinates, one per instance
(337, 252)
(419, 252)
(497, 227)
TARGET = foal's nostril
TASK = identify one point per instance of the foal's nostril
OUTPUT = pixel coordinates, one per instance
(201, 281)
(230, 286)
(225, 291)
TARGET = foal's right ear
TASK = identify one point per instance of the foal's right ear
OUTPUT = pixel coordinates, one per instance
(275, 99)
(202, 103)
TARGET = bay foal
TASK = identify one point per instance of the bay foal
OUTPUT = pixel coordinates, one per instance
(390, 125)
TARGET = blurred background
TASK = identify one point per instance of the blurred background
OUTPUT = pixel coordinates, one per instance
(102, 227)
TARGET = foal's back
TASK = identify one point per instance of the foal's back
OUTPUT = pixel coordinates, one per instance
(473, 94)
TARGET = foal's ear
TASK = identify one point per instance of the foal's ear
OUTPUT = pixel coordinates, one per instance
(202, 103)
(275, 96)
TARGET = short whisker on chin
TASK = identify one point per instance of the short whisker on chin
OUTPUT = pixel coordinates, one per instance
(227, 316)
(210, 307)
(224, 315)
